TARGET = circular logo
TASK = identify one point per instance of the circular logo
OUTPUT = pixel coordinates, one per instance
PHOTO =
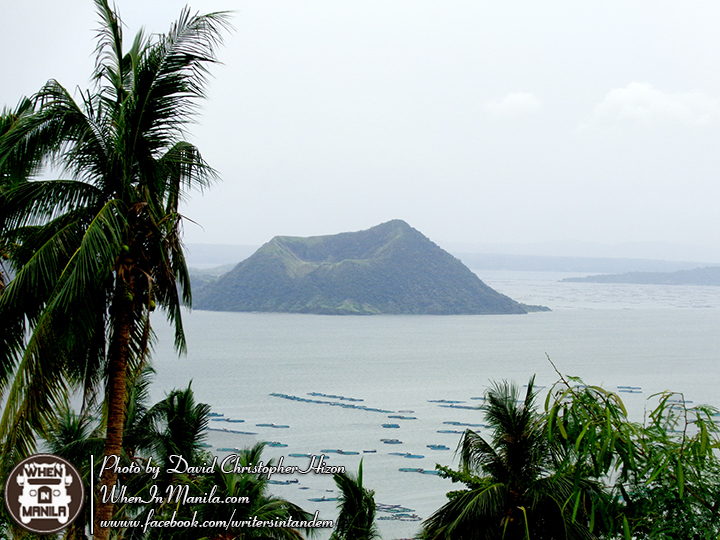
(44, 493)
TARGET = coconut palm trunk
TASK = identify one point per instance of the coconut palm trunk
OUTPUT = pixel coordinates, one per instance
(116, 384)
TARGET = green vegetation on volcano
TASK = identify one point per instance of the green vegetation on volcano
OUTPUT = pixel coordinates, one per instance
(390, 268)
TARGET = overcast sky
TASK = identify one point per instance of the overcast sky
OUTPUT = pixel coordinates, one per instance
(474, 121)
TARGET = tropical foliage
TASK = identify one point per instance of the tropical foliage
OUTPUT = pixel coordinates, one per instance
(514, 489)
(356, 505)
(660, 477)
(96, 251)
(174, 426)
(582, 469)
(262, 504)
(13, 170)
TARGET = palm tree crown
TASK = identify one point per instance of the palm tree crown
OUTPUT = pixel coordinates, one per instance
(356, 520)
(512, 492)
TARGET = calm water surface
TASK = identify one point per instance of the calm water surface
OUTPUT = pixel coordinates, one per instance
(655, 337)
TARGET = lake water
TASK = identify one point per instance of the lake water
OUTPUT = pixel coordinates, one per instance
(655, 337)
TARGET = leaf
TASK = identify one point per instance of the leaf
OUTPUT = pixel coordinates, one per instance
(680, 479)
(621, 404)
(562, 429)
(656, 472)
(525, 517)
(703, 439)
(580, 437)
(608, 423)
(576, 507)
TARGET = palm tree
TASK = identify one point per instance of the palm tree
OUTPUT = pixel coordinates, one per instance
(103, 247)
(356, 520)
(513, 492)
(175, 425)
(262, 504)
(75, 437)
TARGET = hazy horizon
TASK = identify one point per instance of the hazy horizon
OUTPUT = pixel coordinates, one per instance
(208, 255)
(501, 124)
(660, 251)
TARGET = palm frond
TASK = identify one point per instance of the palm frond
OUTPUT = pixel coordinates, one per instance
(22, 161)
(356, 505)
(514, 491)
(174, 426)
(34, 203)
(171, 75)
(69, 321)
(28, 293)
(474, 514)
(108, 52)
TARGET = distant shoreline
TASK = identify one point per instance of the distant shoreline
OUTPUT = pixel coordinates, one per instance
(707, 276)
